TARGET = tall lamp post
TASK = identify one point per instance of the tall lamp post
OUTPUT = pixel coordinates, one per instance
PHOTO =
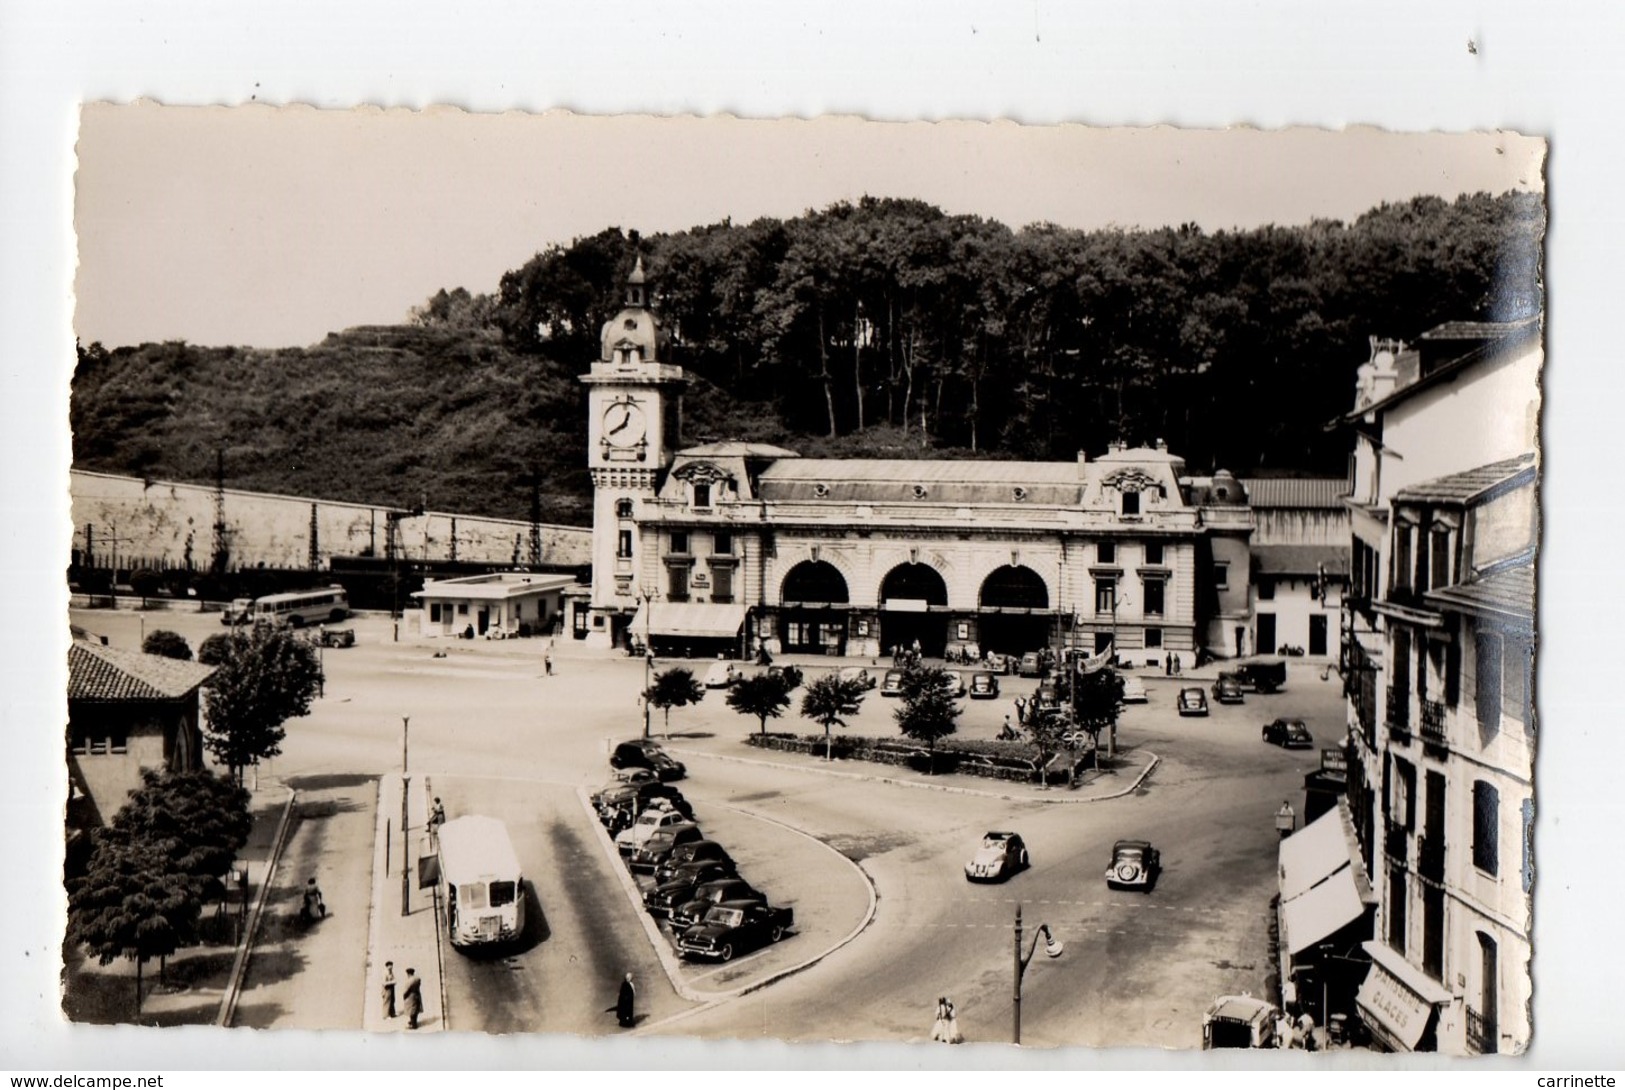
(647, 596)
(406, 848)
(1052, 949)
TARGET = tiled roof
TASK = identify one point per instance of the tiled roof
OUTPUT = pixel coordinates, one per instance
(1316, 492)
(889, 480)
(1475, 331)
(100, 673)
(1301, 559)
(1467, 486)
(1509, 591)
(1517, 337)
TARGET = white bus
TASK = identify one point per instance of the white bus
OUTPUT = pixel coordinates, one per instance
(481, 881)
(302, 607)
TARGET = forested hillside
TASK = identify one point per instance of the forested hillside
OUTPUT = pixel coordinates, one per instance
(884, 326)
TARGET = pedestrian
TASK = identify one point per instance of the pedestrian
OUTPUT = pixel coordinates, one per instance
(1168, 665)
(1306, 1031)
(547, 663)
(1179, 667)
(314, 907)
(626, 1003)
(946, 1026)
(1285, 1034)
(389, 989)
(437, 818)
(412, 997)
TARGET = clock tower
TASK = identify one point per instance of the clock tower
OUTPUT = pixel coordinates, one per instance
(634, 412)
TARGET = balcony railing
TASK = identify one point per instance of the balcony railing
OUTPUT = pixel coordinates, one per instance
(1482, 1034)
(1433, 721)
(1399, 713)
(1430, 857)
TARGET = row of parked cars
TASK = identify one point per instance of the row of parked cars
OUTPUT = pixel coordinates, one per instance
(695, 885)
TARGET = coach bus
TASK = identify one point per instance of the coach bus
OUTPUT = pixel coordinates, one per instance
(302, 607)
(481, 882)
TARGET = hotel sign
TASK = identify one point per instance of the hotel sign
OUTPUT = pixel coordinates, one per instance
(1334, 760)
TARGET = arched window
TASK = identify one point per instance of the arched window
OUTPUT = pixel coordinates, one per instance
(815, 581)
(1013, 587)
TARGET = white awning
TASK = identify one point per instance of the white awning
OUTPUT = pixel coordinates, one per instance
(1397, 999)
(692, 619)
(1320, 912)
(1312, 853)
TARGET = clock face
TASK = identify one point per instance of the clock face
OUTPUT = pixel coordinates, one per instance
(624, 425)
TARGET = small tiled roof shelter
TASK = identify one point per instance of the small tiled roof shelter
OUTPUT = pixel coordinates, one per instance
(127, 711)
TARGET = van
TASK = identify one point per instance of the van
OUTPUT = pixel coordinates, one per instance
(1239, 1021)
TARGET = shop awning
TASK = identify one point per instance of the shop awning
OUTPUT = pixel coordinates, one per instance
(692, 619)
(1397, 999)
(1313, 853)
(1321, 912)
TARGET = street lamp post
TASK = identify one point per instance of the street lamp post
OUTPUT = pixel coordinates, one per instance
(1051, 948)
(406, 849)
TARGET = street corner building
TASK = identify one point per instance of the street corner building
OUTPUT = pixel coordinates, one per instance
(735, 547)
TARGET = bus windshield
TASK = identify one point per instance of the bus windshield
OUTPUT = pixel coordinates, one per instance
(474, 894)
(503, 893)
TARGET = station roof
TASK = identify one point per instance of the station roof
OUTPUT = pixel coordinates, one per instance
(1315, 492)
(97, 673)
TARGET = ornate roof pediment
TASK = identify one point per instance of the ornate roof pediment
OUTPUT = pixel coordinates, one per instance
(1130, 480)
(701, 473)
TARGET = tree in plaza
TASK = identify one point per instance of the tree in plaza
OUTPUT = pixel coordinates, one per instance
(765, 696)
(132, 902)
(266, 677)
(831, 700)
(928, 713)
(198, 820)
(171, 645)
(674, 688)
(1096, 698)
(1048, 730)
(216, 649)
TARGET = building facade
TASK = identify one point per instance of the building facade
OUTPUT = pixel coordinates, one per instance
(497, 604)
(1437, 660)
(1300, 563)
(734, 547)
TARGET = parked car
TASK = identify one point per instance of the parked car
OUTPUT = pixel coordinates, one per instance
(658, 816)
(695, 851)
(1192, 702)
(647, 754)
(983, 686)
(893, 685)
(709, 894)
(1134, 690)
(734, 927)
(241, 611)
(1289, 734)
(791, 674)
(721, 675)
(618, 809)
(1031, 665)
(999, 856)
(953, 684)
(659, 845)
(1227, 690)
(1135, 865)
(678, 888)
(1239, 1021)
(1263, 676)
(859, 675)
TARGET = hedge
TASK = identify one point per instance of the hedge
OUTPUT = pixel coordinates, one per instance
(1011, 761)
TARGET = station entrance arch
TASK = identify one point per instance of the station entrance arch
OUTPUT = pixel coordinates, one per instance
(1014, 614)
(914, 604)
(813, 619)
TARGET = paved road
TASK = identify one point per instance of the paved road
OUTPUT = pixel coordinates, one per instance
(1139, 969)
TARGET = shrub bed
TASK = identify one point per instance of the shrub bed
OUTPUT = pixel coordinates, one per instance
(1016, 762)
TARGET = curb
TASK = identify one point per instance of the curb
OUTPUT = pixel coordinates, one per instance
(239, 965)
(895, 781)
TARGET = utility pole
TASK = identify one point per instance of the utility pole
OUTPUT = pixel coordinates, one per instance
(406, 847)
(315, 549)
(220, 559)
(535, 559)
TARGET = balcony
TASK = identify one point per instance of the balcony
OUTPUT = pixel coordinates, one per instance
(1399, 714)
(1396, 843)
(1430, 857)
(1432, 724)
(1482, 1034)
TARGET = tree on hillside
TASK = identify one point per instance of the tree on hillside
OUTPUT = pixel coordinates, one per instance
(674, 688)
(831, 700)
(267, 677)
(171, 645)
(764, 695)
(132, 902)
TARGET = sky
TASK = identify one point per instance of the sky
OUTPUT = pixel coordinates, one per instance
(272, 227)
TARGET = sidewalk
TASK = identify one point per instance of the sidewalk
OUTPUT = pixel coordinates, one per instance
(312, 975)
(410, 941)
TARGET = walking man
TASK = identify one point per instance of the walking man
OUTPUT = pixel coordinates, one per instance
(389, 989)
(413, 998)
(547, 662)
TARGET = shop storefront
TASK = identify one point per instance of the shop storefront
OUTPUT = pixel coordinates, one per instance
(1399, 1004)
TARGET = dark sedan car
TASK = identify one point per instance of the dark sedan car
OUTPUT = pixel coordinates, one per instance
(695, 851)
(693, 910)
(649, 755)
(1192, 702)
(733, 927)
(1135, 865)
(1289, 734)
(893, 685)
(983, 686)
(1227, 690)
(678, 888)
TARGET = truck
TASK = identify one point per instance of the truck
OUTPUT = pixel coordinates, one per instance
(735, 927)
